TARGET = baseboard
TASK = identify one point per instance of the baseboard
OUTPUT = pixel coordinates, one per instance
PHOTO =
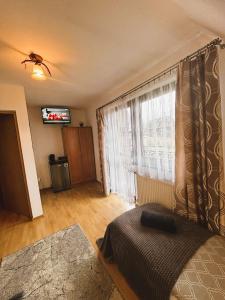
(38, 217)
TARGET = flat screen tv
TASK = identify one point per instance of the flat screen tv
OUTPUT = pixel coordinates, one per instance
(56, 115)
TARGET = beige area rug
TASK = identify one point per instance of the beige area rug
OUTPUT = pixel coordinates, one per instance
(61, 266)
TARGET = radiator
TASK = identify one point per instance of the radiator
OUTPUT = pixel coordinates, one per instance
(151, 190)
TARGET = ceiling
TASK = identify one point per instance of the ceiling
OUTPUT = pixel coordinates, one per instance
(92, 46)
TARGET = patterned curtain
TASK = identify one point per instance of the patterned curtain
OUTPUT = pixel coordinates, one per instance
(100, 124)
(199, 183)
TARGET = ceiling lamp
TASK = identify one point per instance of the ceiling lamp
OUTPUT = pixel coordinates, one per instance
(38, 71)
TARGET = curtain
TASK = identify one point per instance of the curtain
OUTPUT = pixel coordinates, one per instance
(155, 113)
(137, 135)
(100, 125)
(119, 150)
(199, 183)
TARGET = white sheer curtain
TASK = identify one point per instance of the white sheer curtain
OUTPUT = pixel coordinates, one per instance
(139, 135)
(119, 150)
(155, 126)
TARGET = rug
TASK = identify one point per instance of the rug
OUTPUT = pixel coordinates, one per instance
(61, 266)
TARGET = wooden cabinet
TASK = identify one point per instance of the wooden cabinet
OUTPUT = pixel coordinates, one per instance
(78, 147)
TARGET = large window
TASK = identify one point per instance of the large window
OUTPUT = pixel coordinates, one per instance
(140, 137)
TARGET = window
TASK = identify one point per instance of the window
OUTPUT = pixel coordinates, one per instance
(140, 136)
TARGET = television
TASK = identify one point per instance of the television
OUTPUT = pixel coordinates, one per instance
(56, 115)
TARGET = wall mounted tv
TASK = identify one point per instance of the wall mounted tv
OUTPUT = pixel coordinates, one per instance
(56, 115)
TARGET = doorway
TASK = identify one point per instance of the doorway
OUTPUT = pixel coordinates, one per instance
(13, 186)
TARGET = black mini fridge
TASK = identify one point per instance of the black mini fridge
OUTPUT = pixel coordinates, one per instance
(60, 175)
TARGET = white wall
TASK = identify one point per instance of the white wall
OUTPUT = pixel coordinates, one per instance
(175, 57)
(47, 139)
(12, 98)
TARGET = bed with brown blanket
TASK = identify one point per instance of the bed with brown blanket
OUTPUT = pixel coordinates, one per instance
(162, 265)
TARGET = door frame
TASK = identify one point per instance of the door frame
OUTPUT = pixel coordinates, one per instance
(13, 113)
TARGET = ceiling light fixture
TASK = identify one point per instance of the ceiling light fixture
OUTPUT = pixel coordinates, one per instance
(38, 72)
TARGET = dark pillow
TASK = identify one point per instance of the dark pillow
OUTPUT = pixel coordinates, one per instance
(158, 221)
(18, 296)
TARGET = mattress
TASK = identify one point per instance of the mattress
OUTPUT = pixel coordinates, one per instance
(154, 261)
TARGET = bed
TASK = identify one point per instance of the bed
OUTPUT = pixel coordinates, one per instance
(189, 264)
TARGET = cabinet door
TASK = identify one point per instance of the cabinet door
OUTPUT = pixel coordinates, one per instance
(87, 153)
(73, 152)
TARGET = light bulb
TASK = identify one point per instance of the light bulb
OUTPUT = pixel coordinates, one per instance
(38, 73)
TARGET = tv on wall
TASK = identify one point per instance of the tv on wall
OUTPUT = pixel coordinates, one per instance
(56, 115)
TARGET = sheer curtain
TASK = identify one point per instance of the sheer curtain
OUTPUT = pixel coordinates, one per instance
(155, 124)
(139, 136)
(119, 150)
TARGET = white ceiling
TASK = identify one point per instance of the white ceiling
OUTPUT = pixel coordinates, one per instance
(91, 46)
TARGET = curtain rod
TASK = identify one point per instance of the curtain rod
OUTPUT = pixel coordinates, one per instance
(214, 42)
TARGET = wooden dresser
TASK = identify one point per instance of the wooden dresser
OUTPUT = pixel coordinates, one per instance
(79, 149)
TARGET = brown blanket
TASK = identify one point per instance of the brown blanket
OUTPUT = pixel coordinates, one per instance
(151, 260)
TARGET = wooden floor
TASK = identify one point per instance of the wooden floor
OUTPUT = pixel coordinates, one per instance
(83, 205)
